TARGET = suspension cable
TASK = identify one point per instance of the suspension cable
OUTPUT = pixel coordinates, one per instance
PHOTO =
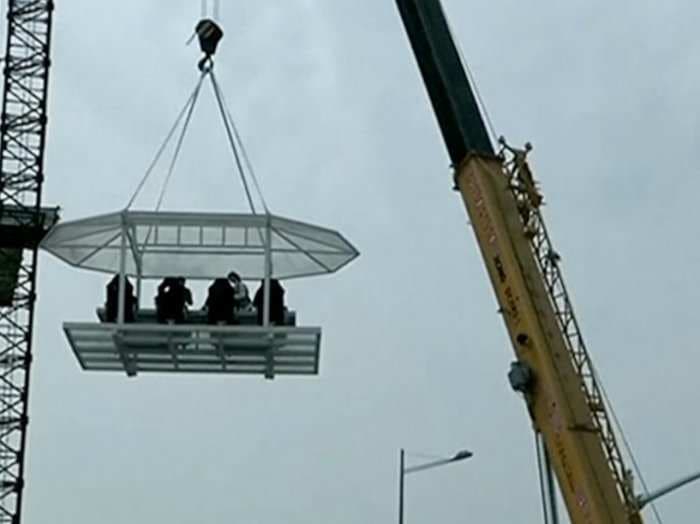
(180, 140)
(162, 147)
(244, 153)
(234, 140)
(189, 109)
(543, 496)
(473, 84)
(240, 154)
(232, 143)
(216, 9)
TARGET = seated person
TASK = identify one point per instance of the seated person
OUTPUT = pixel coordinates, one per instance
(276, 302)
(172, 300)
(241, 299)
(220, 302)
(112, 302)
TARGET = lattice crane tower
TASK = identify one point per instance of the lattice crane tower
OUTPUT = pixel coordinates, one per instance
(23, 222)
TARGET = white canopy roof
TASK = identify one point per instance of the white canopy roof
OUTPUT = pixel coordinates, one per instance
(198, 245)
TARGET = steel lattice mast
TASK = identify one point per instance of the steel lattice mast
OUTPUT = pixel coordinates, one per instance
(22, 225)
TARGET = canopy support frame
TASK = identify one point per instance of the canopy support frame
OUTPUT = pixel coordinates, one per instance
(122, 274)
(217, 240)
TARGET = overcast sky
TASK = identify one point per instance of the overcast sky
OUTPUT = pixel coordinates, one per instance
(337, 122)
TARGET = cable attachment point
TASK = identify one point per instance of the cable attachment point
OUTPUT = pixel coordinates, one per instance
(209, 34)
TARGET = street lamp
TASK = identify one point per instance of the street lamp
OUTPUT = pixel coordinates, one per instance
(643, 500)
(403, 470)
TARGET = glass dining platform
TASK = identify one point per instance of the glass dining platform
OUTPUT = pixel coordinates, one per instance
(144, 246)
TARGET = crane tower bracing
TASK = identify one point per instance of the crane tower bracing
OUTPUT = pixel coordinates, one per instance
(23, 223)
(553, 370)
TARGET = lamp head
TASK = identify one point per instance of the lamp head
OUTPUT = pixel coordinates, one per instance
(464, 454)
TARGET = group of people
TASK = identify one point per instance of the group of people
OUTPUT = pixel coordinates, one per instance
(227, 299)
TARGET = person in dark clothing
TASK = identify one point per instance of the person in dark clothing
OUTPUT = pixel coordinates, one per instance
(163, 302)
(172, 300)
(276, 302)
(112, 302)
(220, 302)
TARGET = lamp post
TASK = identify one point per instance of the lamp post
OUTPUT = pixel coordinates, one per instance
(643, 500)
(403, 471)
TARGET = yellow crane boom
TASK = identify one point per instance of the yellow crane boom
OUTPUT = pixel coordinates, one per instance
(553, 369)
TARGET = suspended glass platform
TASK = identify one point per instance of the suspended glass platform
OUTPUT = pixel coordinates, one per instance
(198, 246)
(260, 337)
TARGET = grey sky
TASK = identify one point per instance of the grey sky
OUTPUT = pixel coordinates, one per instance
(338, 125)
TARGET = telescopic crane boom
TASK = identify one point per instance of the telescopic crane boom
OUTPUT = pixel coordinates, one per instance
(553, 369)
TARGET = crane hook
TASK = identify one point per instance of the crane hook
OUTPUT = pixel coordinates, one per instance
(209, 34)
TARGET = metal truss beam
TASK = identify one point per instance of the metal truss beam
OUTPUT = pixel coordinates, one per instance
(22, 139)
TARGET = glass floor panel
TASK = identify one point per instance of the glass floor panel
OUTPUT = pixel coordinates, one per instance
(142, 348)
